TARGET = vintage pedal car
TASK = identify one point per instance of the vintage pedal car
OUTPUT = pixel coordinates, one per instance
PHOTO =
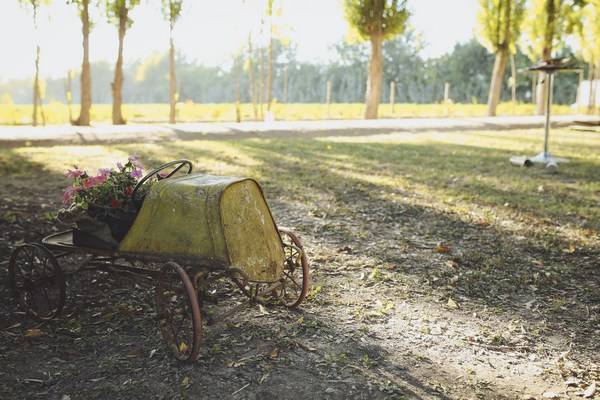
(191, 231)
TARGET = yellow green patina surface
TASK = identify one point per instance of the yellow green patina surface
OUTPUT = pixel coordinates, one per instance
(223, 218)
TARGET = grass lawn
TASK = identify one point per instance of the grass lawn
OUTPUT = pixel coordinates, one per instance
(57, 113)
(436, 258)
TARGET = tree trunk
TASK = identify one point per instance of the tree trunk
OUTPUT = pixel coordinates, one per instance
(551, 15)
(238, 82)
(261, 82)
(172, 79)
(534, 89)
(36, 87)
(252, 81)
(36, 79)
(542, 91)
(117, 84)
(285, 84)
(86, 80)
(69, 94)
(513, 72)
(496, 83)
(375, 76)
(592, 93)
(270, 73)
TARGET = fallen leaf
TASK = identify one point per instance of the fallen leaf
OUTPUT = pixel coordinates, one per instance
(263, 378)
(589, 392)
(263, 310)
(550, 395)
(274, 353)
(186, 382)
(183, 347)
(33, 333)
(153, 352)
(300, 320)
(452, 304)
(572, 381)
(442, 249)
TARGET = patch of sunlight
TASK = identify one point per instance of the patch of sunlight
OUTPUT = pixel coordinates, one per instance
(394, 137)
(225, 150)
(60, 158)
(468, 210)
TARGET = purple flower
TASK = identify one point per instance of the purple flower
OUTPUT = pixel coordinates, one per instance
(134, 159)
(105, 172)
(120, 166)
(136, 173)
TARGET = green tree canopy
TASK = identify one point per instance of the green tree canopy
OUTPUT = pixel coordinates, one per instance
(377, 17)
(499, 24)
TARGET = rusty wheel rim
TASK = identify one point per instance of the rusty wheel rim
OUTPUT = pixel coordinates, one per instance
(294, 280)
(178, 312)
(37, 281)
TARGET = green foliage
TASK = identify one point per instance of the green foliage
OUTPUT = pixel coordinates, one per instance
(588, 31)
(548, 24)
(383, 18)
(80, 3)
(35, 3)
(172, 10)
(500, 23)
(118, 9)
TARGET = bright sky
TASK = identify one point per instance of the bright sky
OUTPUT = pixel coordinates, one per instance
(208, 31)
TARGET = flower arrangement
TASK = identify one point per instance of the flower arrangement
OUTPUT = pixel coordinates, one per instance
(109, 188)
(103, 205)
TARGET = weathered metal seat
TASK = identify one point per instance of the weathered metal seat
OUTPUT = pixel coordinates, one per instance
(222, 218)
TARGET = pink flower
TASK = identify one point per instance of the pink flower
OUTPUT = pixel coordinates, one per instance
(68, 194)
(94, 181)
(128, 191)
(74, 173)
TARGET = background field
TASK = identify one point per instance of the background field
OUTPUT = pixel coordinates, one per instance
(57, 113)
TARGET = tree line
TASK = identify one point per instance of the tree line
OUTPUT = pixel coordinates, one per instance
(466, 69)
(523, 31)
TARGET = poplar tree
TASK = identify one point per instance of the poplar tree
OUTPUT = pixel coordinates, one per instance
(37, 92)
(172, 12)
(499, 28)
(83, 7)
(117, 12)
(376, 21)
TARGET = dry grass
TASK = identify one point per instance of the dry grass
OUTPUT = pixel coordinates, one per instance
(57, 113)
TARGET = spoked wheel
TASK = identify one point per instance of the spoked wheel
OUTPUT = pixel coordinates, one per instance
(254, 291)
(37, 281)
(178, 312)
(294, 281)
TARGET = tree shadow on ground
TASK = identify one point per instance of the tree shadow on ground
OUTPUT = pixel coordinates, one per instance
(100, 346)
(497, 266)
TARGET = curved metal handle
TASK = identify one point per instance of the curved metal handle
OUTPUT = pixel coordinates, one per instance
(155, 171)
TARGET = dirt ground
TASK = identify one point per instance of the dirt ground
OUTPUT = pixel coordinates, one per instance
(407, 301)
